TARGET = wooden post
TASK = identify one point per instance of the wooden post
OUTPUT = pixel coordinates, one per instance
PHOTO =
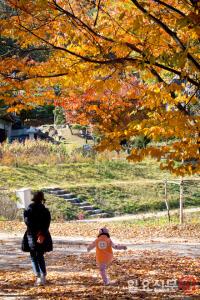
(166, 202)
(181, 202)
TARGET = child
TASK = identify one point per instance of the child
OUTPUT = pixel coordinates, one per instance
(104, 253)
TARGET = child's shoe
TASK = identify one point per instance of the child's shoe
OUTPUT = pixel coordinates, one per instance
(107, 282)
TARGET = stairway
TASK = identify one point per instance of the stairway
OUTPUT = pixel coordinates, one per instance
(69, 138)
(89, 209)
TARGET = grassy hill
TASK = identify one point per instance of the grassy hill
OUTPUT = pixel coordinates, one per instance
(114, 185)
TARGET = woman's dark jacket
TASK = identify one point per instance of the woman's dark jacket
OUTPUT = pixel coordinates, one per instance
(37, 219)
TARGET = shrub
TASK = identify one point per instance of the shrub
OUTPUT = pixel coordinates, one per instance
(79, 127)
(32, 152)
(141, 142)
(60, 209)
(8, 206)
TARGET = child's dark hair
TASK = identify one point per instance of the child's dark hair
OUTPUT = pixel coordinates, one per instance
(104, 233)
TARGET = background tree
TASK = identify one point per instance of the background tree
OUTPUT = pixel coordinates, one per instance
(59, 116)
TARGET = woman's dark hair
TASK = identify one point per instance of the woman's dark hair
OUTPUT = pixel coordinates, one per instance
(104, 233)
(38, 197)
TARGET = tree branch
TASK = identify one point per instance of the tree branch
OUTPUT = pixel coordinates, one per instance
(170, 7)
(72, 16)
(167, 30)
(112, 61)
(157, 75)
(98, 8)
(120, 60)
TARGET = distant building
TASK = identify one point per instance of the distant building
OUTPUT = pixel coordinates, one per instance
(5, 127)
(12, 129)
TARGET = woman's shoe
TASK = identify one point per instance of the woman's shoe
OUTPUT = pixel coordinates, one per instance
(38, 281)
(43, 279)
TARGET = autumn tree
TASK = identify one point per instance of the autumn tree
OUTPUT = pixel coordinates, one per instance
(95, 48)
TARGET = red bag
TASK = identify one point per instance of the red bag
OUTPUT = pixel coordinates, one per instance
(40, 238)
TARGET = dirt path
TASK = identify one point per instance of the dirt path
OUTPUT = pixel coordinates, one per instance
(72, 273)
(12, 257)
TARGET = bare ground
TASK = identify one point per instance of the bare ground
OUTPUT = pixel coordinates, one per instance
(72, 272)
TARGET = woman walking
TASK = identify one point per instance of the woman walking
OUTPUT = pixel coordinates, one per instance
(37, 239)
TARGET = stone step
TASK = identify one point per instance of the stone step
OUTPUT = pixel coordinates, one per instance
(101, 215)
(67, 196)
(57, 192)
(97, 211)
(62, 193)
(73, 200)
(48, 189)
(87, 208)
(82, 204)
(51, 190)
(94, 211)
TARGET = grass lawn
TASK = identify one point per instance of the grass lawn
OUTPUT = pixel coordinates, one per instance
(116, 186)
(78, 173)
